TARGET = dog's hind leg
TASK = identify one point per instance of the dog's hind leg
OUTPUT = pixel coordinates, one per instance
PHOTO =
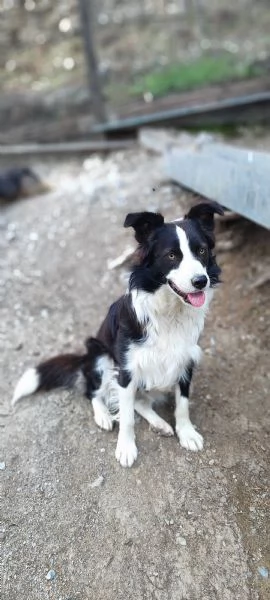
(102, 416)
(143, 407)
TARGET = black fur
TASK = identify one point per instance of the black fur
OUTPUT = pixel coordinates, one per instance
(12, 182)
(185, 382)
(62, 370)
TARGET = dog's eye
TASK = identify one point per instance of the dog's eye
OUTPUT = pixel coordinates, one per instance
(171, 255)
(202, 251)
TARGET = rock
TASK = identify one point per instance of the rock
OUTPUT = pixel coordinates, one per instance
(2, 466)
(97, 482)
(181, 540)
(263, 571)
(51, 575)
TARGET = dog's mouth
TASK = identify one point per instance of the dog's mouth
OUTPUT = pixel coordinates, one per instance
(196, 299)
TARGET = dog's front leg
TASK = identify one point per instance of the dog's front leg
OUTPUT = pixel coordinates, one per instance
(188, 436)
(126, 450)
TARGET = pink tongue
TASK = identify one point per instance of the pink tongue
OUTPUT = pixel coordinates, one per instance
(196, 299)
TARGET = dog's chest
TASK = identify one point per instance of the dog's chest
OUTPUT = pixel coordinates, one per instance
(159, 361)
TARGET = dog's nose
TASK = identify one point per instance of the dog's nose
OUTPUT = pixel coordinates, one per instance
(199, 281)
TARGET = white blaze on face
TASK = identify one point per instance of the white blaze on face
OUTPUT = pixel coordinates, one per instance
(189, 266)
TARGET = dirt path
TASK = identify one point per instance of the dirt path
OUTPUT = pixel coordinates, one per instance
(178, 525)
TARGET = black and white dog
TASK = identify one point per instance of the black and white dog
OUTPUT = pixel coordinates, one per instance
(148, 341)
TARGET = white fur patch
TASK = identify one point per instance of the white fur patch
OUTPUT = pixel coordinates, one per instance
(28, 384)
(103, 418)
(143, 407)
(188, 268)
(108, 391)
(172, 331)
(189, 438)
(126, 450)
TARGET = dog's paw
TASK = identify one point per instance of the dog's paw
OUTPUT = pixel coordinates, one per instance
(190, 438)
(160, 426)
(103, 420)
(126, 452)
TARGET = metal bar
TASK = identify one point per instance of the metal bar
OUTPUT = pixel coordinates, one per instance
(86, 14)
(67, 147)
(216, 112)
(244, 188)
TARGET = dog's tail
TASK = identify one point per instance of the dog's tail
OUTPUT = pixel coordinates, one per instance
(60, 371)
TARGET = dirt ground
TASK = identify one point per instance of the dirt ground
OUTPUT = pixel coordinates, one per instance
(177, 525)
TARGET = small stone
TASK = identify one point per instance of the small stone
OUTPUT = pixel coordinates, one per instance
(99, 481)
(19, 347)
(10, 236)
(51, 575)
(33, 236)
(211, 462)
(102, 450)
(181, 540)
(2, 466)
(263, 571)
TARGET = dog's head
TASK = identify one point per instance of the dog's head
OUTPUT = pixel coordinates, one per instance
(178, 255)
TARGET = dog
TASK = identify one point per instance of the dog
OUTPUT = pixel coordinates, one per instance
(20, 182)
(148, 342)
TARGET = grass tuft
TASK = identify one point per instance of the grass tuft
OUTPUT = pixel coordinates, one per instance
(205, 70)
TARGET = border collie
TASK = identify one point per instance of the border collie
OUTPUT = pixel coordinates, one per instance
(148, 341)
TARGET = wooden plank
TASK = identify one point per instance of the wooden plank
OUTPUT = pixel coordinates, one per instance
(240, 186)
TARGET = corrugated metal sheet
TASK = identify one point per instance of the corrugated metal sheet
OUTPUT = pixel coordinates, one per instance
(238, 179)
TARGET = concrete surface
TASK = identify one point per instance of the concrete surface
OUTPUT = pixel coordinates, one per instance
(177, 526)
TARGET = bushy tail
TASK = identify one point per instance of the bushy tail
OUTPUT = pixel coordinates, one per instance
(59, 371)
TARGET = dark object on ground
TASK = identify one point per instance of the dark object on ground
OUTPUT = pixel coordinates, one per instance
(19, 183)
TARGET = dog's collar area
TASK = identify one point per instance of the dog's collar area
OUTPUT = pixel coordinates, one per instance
(196, 299)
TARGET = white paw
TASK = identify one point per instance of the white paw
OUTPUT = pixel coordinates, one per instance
(160, 426)
(190, 438)
(126, 452)
(103, 419)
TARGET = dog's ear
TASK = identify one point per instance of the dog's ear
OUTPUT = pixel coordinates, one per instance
(143, 224)
(204, 214)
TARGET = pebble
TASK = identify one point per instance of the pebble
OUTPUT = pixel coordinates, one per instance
(211, 462)
(33, 236)
(51, 575)
(99, 481)
(2, 466)
(263, 571)
(10, 236)
(181, 540)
